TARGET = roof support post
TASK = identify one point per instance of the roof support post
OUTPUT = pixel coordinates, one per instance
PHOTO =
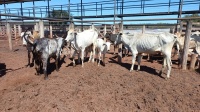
(81, 15)
(34, 9)
(179, 15)
(69, 10)
(5, 9)
(21, 9)
(114, 11)
(48, 8)
(0, 16)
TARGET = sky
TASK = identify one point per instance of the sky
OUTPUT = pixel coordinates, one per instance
(111, 4)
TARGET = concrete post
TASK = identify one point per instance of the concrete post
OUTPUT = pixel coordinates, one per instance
(15, 31)
(8, 31)
(19, 30)
(143, 29)
(104, 33)
(41, 24)
(36, 27)
(51, 32)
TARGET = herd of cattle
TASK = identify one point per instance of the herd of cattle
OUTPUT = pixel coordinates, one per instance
(137, 43)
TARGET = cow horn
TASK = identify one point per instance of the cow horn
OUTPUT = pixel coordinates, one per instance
(71, 26)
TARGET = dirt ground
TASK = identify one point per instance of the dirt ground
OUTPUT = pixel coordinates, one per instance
(109, 88)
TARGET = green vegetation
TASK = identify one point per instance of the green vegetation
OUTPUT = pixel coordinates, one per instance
(193, 15)
(58, 14)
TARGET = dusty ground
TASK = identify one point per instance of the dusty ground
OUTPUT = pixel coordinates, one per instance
(102, 89)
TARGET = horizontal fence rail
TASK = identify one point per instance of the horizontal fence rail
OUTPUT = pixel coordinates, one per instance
(101, 8)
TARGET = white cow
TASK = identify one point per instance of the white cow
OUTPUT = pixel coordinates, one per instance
(101, 48)
(194, 44)
(149, 43)
(195, 36)
(82, 40)
(180, 43)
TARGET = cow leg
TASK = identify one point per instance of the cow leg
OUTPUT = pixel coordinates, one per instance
(74, 64)
(99, 58)
(94, 46)
(90, 56)
(168, 67)
(79, 59)
(104, 58)
(133, 61)
(37, 67)
(139, 61)
(163, 66)
(180, 59)
(57, 60)
(178, 48)
(33, 59)
(45, 62)
(127, 52)
(29, 58)
(114, 49)
(148, 57)
(82, 56)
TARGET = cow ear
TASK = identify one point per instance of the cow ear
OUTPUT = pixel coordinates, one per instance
(75, 33)
(71, 26)
(120, 33)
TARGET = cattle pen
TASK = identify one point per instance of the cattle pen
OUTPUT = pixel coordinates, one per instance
(110, 87)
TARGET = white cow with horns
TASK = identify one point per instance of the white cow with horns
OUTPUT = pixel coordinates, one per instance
(149, 43)
(79, 41)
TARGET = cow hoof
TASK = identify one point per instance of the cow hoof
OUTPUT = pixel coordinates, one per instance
(37, 73)
(45, 78)
(31, 65)
(160, 73)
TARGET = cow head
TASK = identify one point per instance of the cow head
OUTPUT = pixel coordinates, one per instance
(108, 45)
(70, 35)
(28, 37)
(118, 39)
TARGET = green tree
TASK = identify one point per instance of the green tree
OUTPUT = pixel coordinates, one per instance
(59, 14)
(193, 15)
